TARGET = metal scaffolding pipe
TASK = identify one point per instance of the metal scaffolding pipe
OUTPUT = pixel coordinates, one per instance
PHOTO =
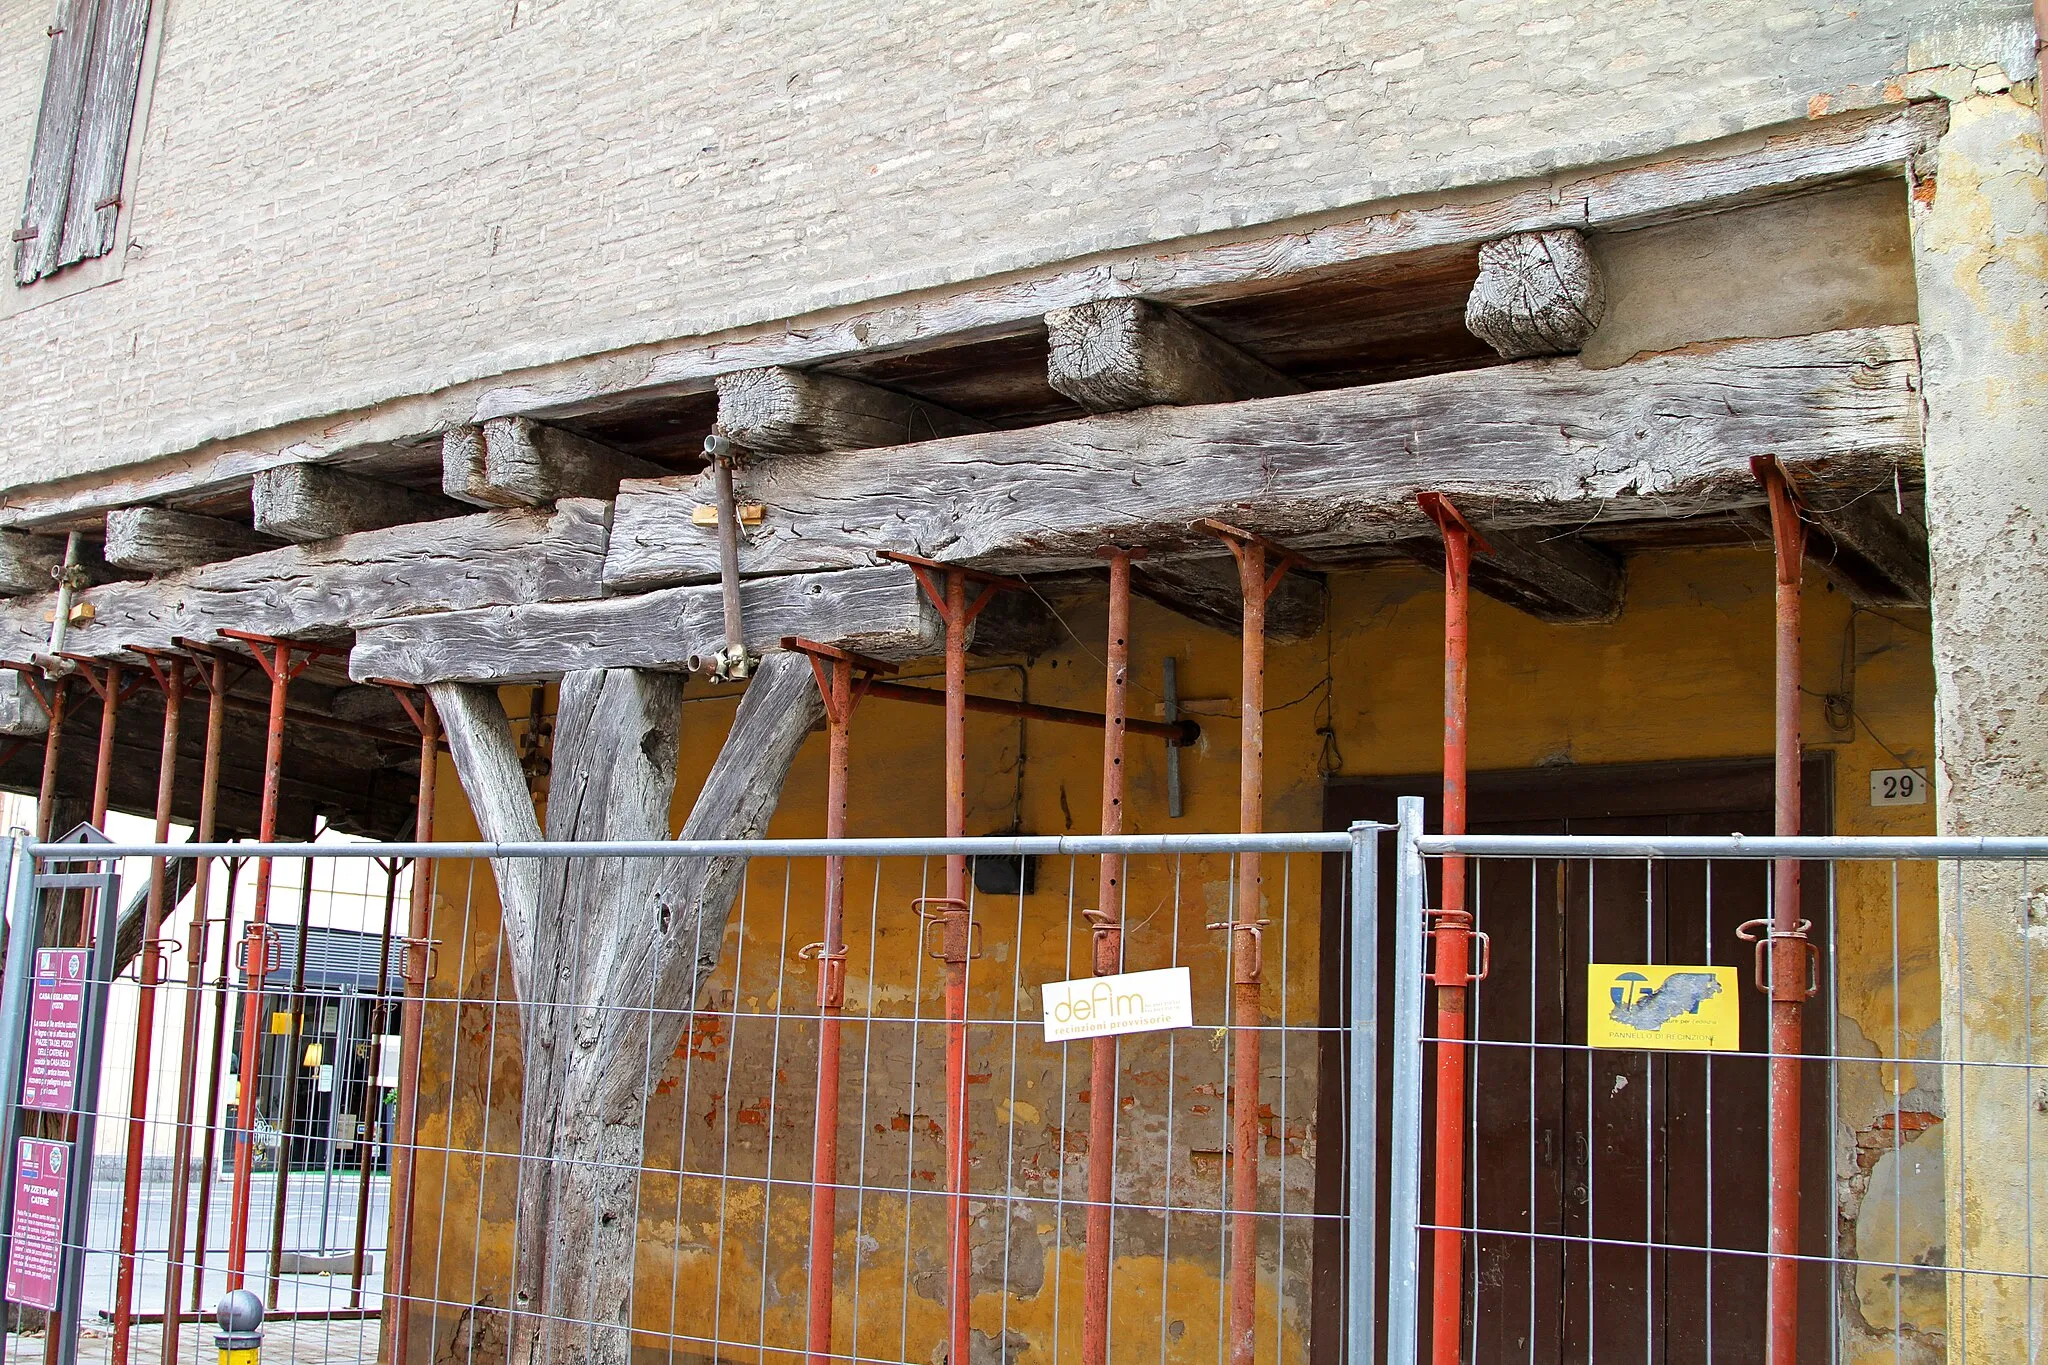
(169, 672)
(212, 671)
(46, 791)
(412, 1029)
(222, 997)
(1452, 932)
(1260, 567)
(1785, 956)
(841, 693)
(288, 1108)
(277, 659)
(1173, 732)
(946, 586)
(1107, 920)
(368, 1162)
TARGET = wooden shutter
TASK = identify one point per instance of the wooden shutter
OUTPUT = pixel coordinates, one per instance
(41, 234)
(74, 188)
(94, 205)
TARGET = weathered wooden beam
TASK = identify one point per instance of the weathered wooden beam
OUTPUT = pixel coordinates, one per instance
(877, 611)
(516, 462)
(158, 540)
(1114, 355)
(21, 713)
(1536, 444)
(322, 592)
(1208, 591)
(308, 502)
(1538, 293)
(29, 564)
(1546, 573)
(781, 411)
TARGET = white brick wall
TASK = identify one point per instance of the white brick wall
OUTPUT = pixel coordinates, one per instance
(342, 202)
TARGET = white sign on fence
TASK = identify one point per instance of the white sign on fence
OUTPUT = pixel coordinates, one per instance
(1130, 1002)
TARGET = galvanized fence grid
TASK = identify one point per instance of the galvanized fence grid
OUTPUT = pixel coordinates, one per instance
(1612, 1196)
(720, 1180)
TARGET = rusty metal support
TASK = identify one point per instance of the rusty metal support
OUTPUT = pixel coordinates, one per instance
(1261, 565)
(412, 1028)
(1107, 920)
(1181, 732)
(946, 586)
(841, 692)
(212, 671)
(368, 1163)
(53, 706)
(105, 680)
(287, 1113)
(280, 660)
(1452, 933)
(223, 997)
(169, 671)
(1787, 966)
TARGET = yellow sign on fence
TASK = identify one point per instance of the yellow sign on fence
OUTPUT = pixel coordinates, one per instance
(1679, 1009)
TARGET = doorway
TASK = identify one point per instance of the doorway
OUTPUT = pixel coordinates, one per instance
(1582, 1156)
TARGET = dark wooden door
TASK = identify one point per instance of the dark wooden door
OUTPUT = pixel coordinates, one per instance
(1593, 1165)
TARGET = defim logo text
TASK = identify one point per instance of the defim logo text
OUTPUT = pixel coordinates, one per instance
(1130, 1002)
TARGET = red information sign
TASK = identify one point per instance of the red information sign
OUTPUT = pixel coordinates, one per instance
(35, 1255)
(56, 1017)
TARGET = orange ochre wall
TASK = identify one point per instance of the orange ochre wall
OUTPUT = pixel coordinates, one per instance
(1684, 673)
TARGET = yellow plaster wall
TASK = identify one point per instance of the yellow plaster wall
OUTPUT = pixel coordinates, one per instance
(1683, 674)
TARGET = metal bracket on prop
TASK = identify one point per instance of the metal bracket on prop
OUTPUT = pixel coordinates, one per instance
(1246, 971)
(959, 934)
(1455, 921)
(1792, 945)
(832, 974)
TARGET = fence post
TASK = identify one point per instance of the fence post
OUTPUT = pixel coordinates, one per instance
(25, 933)
(1404, 1189)
(1362, 1168)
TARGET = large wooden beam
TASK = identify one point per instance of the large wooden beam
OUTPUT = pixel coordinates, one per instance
(308, 502)
(158, 540)
(1208, 591)
(1114, 355)
(878, 611)
(1538, 293)
(1536, 444)
(29, 564)
(1547, 573)
(322, 592)
(515, 462)
(781, 411)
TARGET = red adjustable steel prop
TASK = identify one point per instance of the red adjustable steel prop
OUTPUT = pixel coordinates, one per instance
(1108, 922)
(210, 669)
(280, 660)
(52, 704)
(946, 586)
(1787, 962)
(169, 671)
(1451, 931)
(1260, 567)
(841, 693)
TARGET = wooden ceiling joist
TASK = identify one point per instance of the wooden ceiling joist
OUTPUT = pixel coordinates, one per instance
(1543, 443)
(517, 462)
(1114, 355)
(781, 411)
(1870, 545)
(158, 540)
(1207, 591)
(1547, 572)
(302, 503)
(29, 564)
